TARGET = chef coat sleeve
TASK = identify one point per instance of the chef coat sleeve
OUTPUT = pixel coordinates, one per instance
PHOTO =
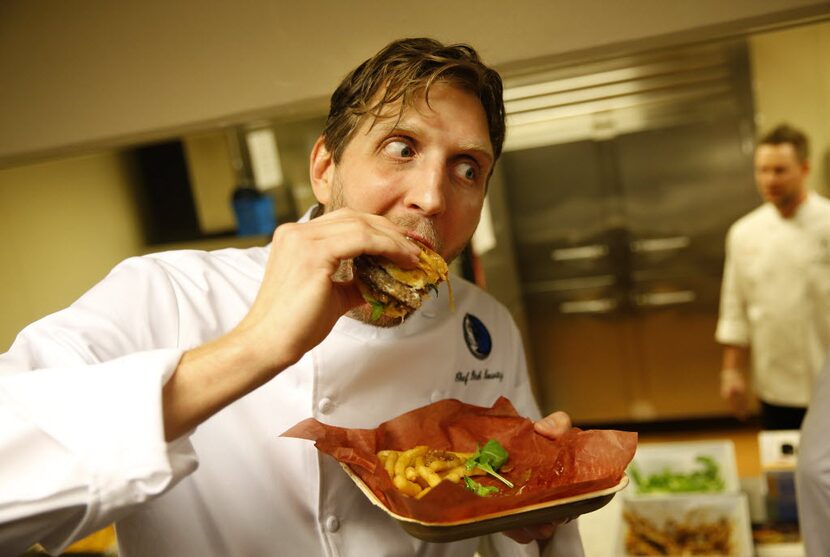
(813, 470)
(733, 323)
(82, 441)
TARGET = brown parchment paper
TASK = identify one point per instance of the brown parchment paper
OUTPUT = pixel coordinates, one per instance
(541, 469)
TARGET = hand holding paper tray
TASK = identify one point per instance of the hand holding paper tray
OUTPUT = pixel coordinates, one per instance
(581, 463)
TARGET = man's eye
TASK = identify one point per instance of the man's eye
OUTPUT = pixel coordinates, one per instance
(467, 171)
(398, 149)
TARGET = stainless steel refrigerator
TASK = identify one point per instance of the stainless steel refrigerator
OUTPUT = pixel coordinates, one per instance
(613, 199)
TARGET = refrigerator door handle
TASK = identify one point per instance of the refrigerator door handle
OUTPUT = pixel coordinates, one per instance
(662, 299)
(660, 244)
(595, 251)
(597, 306)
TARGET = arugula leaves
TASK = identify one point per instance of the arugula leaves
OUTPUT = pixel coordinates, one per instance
(377, 309)
(705, 479)
(489, 458)
(478, 489)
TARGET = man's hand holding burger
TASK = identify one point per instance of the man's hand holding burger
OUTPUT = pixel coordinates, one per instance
(300, 300)
(298, 303)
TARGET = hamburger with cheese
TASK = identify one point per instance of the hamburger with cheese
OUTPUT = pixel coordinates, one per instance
(394, 292)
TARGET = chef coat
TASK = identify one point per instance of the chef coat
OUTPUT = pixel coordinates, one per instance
(776, 297)
(86, 441)
(813, 471)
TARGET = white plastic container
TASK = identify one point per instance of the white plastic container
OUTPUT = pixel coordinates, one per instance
(778, 450)
(692, 510)
(680, 458)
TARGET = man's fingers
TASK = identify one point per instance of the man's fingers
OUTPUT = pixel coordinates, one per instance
(553, 425)
(521, 535)
(544, 531)
(529, 534)
(345, 234)
(739, 403)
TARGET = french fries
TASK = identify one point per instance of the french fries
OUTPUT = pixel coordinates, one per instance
(416, 471)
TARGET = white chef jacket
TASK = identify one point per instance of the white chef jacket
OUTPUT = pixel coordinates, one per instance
(86, 438)
(813, 470)
(776, 297)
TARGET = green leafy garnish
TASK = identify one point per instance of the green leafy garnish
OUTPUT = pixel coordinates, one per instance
(377, 307)
(490, 458)
(707, 478)
(377, 310)
(478, 489)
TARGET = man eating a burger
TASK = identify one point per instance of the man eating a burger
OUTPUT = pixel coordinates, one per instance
(198, 360)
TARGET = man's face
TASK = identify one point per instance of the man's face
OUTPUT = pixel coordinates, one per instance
(780, 176)
(427, 171)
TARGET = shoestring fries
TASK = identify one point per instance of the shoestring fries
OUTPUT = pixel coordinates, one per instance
(416, 471)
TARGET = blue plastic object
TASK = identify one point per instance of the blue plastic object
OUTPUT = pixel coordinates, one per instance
(254, 212)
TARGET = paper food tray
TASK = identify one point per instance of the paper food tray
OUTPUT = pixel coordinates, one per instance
(557, 509)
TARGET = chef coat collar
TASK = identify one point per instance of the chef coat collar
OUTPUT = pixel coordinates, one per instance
(805, 211)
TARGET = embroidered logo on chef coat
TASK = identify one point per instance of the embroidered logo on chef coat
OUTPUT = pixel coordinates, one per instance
(477, 337)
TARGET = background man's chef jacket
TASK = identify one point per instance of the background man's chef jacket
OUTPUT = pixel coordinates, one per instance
(776, 297)
(83, 436)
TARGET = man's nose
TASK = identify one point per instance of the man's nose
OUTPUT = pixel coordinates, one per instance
(427, 191)
(765, 178)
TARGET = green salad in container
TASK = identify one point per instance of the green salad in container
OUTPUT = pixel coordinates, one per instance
(705, 478)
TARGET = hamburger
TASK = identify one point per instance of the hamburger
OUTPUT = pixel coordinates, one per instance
(396, 292)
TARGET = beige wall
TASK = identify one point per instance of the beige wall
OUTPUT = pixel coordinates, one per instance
(791, 71)
(98, 73)
(63, 225)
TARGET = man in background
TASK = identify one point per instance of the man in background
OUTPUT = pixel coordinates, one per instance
(775, 300)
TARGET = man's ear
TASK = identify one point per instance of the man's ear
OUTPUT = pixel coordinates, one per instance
(321, 171)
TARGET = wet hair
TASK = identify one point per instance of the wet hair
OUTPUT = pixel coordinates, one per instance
(401, 71)
(785, 133)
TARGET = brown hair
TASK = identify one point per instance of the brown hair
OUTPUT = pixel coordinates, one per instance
(785, 133)
(400, 71)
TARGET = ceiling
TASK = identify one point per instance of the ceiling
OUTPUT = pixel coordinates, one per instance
(89, 75)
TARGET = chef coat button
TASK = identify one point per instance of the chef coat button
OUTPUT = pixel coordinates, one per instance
(436, 396)
(325, 405)
(332, 523)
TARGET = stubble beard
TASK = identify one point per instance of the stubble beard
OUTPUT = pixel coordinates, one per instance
(786, 202)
